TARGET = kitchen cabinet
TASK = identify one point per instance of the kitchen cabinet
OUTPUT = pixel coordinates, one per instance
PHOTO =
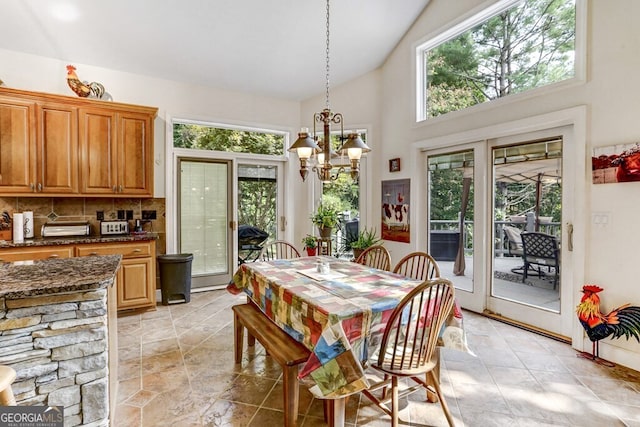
(136, 277)
(135, 286)
(53, 145)
(41, 252)
(17, 139)
(38, 148)
(116, 153)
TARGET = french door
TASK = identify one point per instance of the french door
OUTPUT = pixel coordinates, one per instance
(217, 196)
(475, 192)
(205, 203)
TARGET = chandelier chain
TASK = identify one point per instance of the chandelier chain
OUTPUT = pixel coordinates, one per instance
(327, 52)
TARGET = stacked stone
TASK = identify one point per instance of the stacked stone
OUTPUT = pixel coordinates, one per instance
(57, 345)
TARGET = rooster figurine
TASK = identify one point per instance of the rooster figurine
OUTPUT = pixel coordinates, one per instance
(83, 89)
(624, 320)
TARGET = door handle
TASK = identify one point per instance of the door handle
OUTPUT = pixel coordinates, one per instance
(569, 237)
(283, 223)
(233, 225)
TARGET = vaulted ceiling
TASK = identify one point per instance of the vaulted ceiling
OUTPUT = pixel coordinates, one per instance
(268, 47)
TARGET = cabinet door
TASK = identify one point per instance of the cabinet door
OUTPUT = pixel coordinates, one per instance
(22, 254)
(136, 283)
(17, 147)
(98, 151)
(57, 149)
(135, 154)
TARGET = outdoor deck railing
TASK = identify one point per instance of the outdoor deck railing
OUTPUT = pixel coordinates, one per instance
(501, 244)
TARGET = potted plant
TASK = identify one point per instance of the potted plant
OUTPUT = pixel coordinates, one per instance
(326, 219)
(310, 244)
(366, 238)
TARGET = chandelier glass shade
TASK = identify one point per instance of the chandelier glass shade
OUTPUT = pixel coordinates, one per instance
(319, 144)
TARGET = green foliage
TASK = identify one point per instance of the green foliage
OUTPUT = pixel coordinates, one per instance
(257, 204)
(527, 46)
(309, 241)
(326, 215)
(446, 195)
(366, 238)
(202, 137)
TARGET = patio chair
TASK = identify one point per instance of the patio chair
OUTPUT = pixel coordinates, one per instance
(540, 250)
(278, 249)
(514, 245)
(377, 257)
(418, 265)
(408, 346)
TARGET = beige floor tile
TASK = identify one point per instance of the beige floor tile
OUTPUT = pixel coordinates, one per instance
(177, 368)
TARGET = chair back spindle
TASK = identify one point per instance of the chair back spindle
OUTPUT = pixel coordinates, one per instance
(418, 265)
(377, 257)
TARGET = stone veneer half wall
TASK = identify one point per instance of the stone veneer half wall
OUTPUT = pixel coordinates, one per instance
(57, 345)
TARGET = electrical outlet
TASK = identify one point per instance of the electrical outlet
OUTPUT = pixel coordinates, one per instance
(100, 215)
(121, 214)
(148, 215)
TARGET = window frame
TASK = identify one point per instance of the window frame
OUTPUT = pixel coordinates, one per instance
(471, 19)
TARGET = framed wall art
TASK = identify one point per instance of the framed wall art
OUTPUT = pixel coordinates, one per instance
(395, 210)
(394, 165)
(616, 163)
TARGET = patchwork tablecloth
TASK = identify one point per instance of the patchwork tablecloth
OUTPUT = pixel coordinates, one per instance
(339, 316)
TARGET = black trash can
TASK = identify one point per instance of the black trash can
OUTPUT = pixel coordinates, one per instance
(175, 277)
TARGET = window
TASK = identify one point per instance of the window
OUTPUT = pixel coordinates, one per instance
(508, 49)
(236, 140)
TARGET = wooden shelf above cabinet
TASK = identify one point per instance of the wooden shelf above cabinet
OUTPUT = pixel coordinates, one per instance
(55, 145)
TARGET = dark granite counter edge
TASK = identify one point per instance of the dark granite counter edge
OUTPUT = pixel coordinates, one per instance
(57, 276)
(56, 241)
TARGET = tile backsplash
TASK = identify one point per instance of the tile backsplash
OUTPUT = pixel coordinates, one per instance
(56, 209)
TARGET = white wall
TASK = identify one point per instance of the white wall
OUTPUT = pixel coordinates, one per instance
(610, 255)
(173, 99)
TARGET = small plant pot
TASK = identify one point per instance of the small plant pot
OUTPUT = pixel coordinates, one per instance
(357, 253)
(312, 251)
(325, 232)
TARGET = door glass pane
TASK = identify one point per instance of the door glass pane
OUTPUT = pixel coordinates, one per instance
(257, 208)
(204, 215)
(528, 200)
(451, 215)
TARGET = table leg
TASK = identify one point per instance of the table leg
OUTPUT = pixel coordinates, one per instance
(336, 409)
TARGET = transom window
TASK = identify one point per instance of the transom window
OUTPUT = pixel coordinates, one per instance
(510, 48)
(236, 140)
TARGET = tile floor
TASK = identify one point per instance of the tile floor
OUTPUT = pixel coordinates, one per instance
(176, 369)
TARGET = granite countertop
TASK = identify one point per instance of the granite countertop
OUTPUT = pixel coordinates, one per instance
(72, 240)
(52, 276)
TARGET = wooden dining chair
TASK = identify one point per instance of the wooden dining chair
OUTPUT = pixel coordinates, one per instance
(408, 346)
(418, 265)
(376, 256)
(278, 249)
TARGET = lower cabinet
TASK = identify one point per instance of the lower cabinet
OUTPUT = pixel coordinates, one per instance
(41, 252)
(136, 278)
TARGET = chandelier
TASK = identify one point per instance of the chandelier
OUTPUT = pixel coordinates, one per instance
(309, 144)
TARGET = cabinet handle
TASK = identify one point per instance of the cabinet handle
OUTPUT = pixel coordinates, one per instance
(115, 189)
(93, 253)
(135, 251)
(120, 188)
(1, 260)
(54, 256)
(39, 186)
(32, 186)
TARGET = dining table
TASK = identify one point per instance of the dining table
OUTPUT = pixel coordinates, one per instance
(336, 308)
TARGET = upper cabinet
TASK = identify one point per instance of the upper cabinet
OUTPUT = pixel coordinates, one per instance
(63, 146)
